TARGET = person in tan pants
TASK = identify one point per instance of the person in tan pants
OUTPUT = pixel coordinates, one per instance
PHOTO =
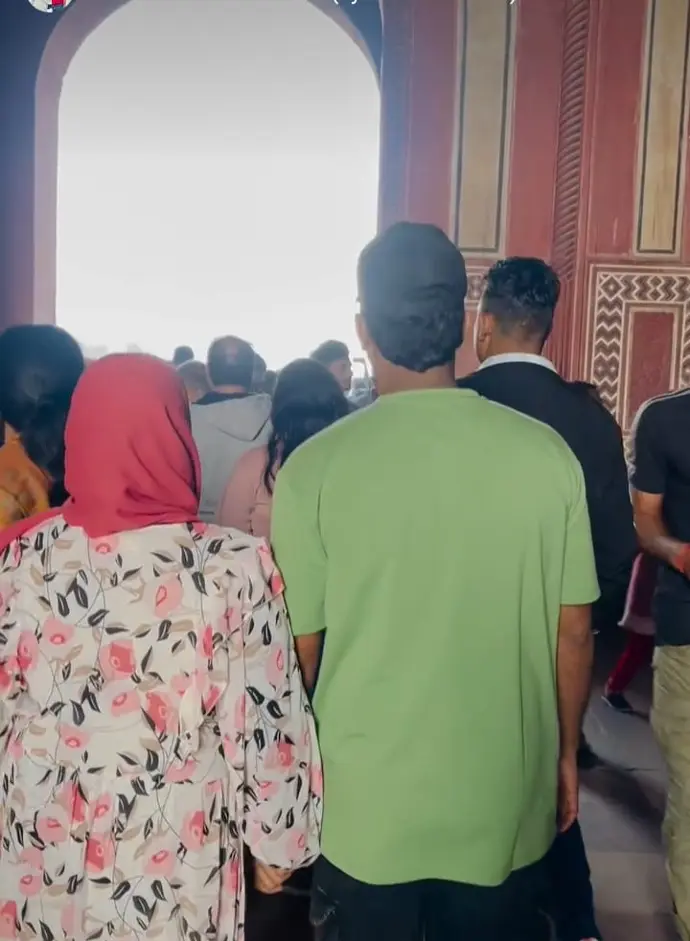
(660, 477)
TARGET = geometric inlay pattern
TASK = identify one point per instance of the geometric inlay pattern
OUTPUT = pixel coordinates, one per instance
(615, 291)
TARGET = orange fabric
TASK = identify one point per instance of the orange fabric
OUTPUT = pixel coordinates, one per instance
(24, 488)
(130, 459)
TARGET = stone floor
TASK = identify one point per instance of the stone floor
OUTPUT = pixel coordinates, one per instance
(622, 804)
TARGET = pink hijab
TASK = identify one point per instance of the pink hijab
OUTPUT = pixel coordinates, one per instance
(130, 459)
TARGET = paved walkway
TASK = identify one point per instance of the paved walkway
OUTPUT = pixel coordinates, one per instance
(622, 804)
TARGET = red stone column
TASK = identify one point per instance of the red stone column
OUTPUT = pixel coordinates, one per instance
(418, 104)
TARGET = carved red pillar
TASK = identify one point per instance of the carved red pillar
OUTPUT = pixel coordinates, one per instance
(418, 105)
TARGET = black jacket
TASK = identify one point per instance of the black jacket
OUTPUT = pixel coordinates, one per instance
(595, 438)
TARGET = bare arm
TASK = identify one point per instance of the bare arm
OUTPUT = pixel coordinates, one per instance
(651, 529)
(574, 672)
(308, 656)
(239, 498)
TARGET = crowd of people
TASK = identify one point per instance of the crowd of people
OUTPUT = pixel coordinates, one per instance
(278, 662)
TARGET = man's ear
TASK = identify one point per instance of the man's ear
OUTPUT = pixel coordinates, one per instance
(363, 335)
(483, 332)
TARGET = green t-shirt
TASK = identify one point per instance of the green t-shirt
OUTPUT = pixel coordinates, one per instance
(435, 536)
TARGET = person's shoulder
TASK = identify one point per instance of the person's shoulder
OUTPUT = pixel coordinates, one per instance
(662, 408)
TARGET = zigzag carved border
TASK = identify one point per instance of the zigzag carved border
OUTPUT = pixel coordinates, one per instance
(614, 291)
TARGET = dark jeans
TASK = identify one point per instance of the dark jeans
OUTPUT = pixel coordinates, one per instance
(282, 917)
(344, 909)
(569, 899)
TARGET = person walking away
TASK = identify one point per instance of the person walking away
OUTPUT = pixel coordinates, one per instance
(195, 379)
(307, 400)
(639, 623)
(660, 477)
(514, 321)
(154, 718)
(229, 420)
(418, 581)
(41, 365)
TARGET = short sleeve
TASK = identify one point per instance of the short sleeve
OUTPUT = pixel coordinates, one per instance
(299, 552)
(648, 465)
(579, 584)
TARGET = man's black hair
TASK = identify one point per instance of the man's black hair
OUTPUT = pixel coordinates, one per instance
(230, 362)
(412, 285)
(182, 354)
(332, 351)
(521, 294)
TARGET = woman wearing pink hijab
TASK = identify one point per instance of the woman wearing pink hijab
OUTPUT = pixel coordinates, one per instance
(153, 721)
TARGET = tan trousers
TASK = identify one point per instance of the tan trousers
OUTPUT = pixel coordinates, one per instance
(671, 724)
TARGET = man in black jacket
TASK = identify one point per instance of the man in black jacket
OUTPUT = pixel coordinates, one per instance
(514, 321)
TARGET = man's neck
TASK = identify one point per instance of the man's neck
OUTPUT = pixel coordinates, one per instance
(394, 379)
(231, 390)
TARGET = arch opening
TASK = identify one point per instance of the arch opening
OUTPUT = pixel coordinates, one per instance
(224, 185)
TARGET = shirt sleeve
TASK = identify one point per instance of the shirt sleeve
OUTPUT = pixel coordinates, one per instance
(300, 554)
(268, 731)
(648, 466)
(579, 585)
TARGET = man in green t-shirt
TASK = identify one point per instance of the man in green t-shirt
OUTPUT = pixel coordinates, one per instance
(439, 569)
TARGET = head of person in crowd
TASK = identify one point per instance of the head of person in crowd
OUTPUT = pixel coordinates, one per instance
(412, 285)
(335, 356)
(230, 365)
(195, 378)
(516, 309)
(270, 379)
(182, 354)
(229, 420)
(41, 366)
(307, 399)
(259, 373)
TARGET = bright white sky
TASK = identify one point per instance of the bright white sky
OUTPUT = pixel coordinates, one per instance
(218, 173)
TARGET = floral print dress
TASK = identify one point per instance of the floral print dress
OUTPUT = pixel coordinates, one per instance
(152, 723)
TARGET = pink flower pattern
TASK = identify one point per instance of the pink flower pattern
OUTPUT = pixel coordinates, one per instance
(165, 725)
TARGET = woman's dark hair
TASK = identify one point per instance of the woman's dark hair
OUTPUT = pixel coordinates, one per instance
(306, 400)
(39, 367)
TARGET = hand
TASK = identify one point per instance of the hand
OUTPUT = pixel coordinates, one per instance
(568, 798)
(268, 880)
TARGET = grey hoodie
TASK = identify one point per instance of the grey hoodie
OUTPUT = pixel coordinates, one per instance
(223, 431)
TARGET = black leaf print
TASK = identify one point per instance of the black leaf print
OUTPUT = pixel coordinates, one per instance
(214, 546)
(38, 542)
(66, 671)
(164, 630)
(77, 714)
(199, 582)
(139, 903)
(130, 573)
(118, 560)
(19, 830)
(73, 885)
(46, 933)
(266, 635)
(96, 617)
(176, 646)
(62, 606)
(163, 556)
(260, 739)
(212, 875)
(157, 887)
(274, 710)
(290, 819)
(95, 935)
(257, 697)
(151, 760)
(191, 636)
(128, 759)
(148, 828)
(187, 557)
(146, 662)
(83, 576)
(103, 880)
(139, 787)
(194, 936)
(47, 881)
(80, 595)
(122, 890)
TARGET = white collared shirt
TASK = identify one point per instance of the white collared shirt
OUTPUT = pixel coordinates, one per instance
(519, 358)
